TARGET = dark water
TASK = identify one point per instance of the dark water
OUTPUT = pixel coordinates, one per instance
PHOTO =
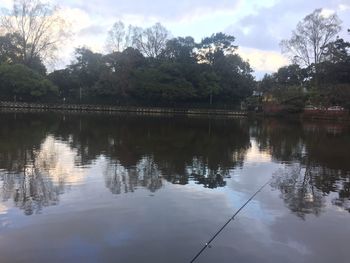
(98, 188)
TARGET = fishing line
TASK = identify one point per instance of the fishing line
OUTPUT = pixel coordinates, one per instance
(228, 221)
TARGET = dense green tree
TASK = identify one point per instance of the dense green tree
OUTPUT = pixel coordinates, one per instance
(336, 69)
(266, 84)
(18, 82)
(337, 51)
(67, 83)
(286, 87)
(115, 80)
(235, 76)
(214, 47)
(86, 70)
(334, 76)
(182, 72)
(291, 75)
(207, 83)
(180, 50)
(163, 84)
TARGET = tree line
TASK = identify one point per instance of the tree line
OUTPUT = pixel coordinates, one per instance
(142, 66)
(158, 71)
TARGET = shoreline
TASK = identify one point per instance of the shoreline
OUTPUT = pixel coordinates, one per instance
(42, 107)
(143, 110)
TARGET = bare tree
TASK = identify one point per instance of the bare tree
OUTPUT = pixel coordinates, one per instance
(116, 40)
(39, 25)
(150, 41)
(312, 34)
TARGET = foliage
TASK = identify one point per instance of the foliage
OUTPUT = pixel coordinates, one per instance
(168, 73)
(20, 82)
(216, 46)
(163, 84)
(180, 50)
(67, 83)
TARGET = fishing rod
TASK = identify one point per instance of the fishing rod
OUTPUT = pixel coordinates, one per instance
(206, 245)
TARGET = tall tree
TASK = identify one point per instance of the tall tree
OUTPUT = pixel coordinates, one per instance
(86, 69)
(39, 26)
(117, 75)
(150, 41)
(180, 50)
(312, 34)
(217, 45)
(116, 37)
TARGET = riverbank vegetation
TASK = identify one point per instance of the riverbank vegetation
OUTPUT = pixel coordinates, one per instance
(147, 66)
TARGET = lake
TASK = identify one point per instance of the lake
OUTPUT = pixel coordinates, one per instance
(132, 188)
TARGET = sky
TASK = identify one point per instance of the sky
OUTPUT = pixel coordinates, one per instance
(258, 25)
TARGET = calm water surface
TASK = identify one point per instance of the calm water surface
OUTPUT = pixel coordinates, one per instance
(99, 188)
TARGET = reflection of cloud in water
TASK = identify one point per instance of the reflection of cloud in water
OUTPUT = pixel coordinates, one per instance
(59, 162)
(255, 155)
(3, 209)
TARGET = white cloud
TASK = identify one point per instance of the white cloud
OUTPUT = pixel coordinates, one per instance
(327, 12)
(262, 60)
(343, 7)
(6, 3)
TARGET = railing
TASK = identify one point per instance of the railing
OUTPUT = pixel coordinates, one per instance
(102, 108)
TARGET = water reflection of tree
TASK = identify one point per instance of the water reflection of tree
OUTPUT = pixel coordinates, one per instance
(141, 152)
(31, 189)
(343, 200)
(25, 175)
(123, 180)
(181, 150)
(322, 171)
(298, 190)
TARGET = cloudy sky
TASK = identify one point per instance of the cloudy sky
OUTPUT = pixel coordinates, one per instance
(258, 25)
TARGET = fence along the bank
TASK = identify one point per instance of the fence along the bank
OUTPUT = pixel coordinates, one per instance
(102, 108)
